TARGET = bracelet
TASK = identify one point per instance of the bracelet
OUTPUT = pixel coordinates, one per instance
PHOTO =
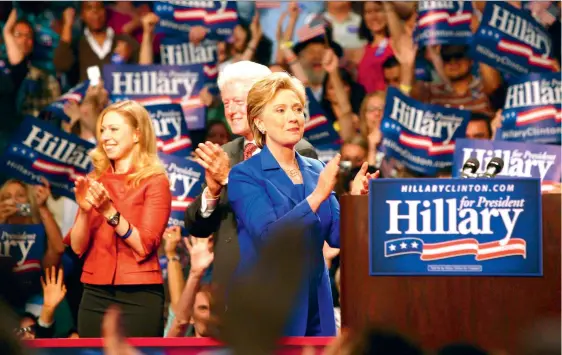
(405, 88)
(286, 45)
(173, 258)
(128, 234)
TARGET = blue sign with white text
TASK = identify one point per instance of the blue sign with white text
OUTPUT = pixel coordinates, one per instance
(487, 227)
(512, 41)
(25, 243)
(75, 94)
(40, 149)
(533, 109)
(443, 22)
(172, 136)
(179, 51)
(318, 130)
(421, 136)
(186, 183)
(520, 159)
(162, 84)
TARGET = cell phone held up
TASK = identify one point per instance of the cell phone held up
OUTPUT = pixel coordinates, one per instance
(94, 75)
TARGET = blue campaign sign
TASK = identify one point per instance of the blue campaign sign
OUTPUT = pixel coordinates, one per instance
(40, 149)
(318, 130)
(75, 94)
(186, 183)
(25, 243)
(177, 17)
(172, 136)
(443, 22)
(533, 109)
(179, 51)
(512, 41)
(541, 161)
(421, 136)
(488, 227)
(162, 84)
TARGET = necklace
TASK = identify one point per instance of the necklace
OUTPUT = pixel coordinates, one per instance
(293, 173)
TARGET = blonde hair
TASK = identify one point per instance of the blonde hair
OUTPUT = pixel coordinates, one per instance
(263, 92)
(145, 159)
(35, 217)
(363, 127)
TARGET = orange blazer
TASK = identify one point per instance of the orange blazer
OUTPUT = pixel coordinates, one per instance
(108, 260)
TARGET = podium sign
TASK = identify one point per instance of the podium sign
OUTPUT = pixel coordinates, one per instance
(488, 227)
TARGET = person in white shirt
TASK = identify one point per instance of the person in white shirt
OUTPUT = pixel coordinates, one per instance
(210, 213)
(345, 24)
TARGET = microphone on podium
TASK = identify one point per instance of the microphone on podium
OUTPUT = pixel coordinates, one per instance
(493, 168)
(469, 168)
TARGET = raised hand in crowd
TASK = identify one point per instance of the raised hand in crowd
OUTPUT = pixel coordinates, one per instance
(172, 237)
(360, 184)
(42, 192)
(68, 17)
(114, 341)
(216, 163)
(149, 22)
(197, 34)
(200, 254)
(206, 97)
(54, 291)
(330, 62)
(326, 183)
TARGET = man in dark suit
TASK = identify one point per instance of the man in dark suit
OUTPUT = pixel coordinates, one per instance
(210, 213)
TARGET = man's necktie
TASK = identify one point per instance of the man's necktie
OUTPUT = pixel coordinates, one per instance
(249, 150)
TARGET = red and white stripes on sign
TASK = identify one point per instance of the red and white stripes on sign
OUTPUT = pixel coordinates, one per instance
(525, 50)
(470, 246)
(538, 114)
(28, 265)
(72, 96)
(54, 168)
(181, 205)
(194, 102)
(427, 144)
(173, 145)
(203, 15)
(306, 32)
(315, 121)
(434, 17)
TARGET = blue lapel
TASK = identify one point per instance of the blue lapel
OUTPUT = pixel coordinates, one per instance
(278, 177)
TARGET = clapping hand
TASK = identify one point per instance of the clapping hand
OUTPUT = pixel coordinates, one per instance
(172, 236)
(81, 194)
(360, 185)
(216, 163)
(328, 178)
(98, 197)
(200, 253)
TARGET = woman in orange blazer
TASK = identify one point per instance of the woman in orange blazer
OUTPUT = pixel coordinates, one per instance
(124, 209)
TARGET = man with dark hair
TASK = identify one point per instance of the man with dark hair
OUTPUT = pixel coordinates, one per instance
(479, 126)
(391, 72)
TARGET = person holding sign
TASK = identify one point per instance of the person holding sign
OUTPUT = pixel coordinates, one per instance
(124, 206)
(279, 187)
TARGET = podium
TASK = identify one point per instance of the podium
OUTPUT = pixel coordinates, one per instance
(438, 310)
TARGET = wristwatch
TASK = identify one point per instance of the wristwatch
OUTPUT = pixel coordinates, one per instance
(114, 220)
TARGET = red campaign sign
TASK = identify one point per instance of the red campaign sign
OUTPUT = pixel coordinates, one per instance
(167, 346)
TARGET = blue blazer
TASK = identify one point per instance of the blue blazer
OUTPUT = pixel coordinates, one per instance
(263, 199)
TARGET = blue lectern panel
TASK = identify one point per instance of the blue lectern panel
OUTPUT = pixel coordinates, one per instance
(455, 227)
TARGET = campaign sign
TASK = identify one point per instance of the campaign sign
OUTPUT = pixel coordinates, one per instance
(162, 84)
(520, 159)
(40, 149)
(25, 244)
(317, 129)
(75, 94)
(327, 152)
(186, 183)
(533, 109)
(488, 227)
(443, 22)
(45, 42)
(178, 16)
(421, 136)
(179, 51)
(170, 129)
(512, 41)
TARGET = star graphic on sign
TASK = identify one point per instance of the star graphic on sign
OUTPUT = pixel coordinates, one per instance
(414, 245)
(490, 33)
(403, 245)
(15, 149)
(392, 247)
(483, 31)
(497, 36)
(31, 155)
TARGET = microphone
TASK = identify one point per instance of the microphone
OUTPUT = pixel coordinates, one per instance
(493, 168)
(469, 168)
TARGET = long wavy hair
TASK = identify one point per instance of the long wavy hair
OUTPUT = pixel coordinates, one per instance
(145, 153)
(34, 218)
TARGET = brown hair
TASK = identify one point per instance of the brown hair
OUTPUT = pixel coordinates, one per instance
(363, 127)
(35, 217)
(146, 162)
(263, 92)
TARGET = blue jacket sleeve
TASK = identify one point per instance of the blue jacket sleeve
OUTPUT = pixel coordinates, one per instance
(254, 209)
(333, 239)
